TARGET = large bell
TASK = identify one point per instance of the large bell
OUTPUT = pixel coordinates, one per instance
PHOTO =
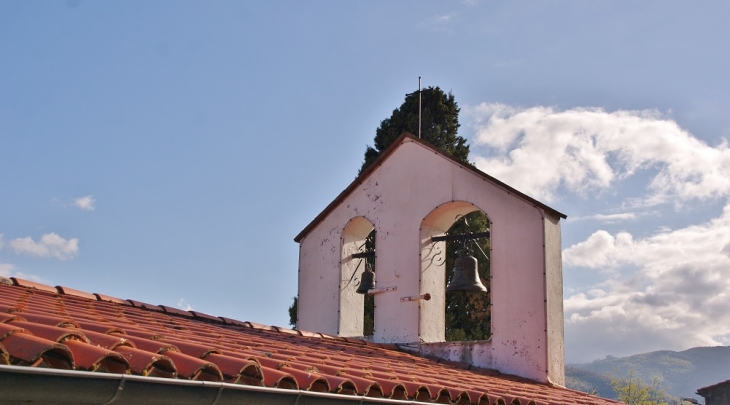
(367, 282)
(466, 277)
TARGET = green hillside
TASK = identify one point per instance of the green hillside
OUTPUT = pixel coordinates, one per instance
(588, 381)
(682, 372)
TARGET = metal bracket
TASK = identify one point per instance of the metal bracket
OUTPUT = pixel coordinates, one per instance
(424, 297)
(462, 237)
(363, 255)
(381, 290)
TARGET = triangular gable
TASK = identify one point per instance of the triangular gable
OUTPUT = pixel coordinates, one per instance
(386, 155)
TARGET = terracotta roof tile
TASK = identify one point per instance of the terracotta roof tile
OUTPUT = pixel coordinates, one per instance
(201, 315)
(43, 326)
(71, 291)
(171, 310)
(232, 366)
(191, 349)
(102, 297)
(53, 333)
(100, 327)
(108, 341)
(308, 381)
(142, 362)
(140, 304)
(94, 358)
(28, 350)
(6, 317)
(31, 284)
(150, 345)
(9, 329)
(278, 379)
(194, 368)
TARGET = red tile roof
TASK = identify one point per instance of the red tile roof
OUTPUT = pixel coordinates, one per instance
(62, 328)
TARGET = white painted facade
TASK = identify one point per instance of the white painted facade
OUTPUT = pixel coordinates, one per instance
(416, 192)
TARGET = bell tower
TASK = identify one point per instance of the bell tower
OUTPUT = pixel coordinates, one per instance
(410, 197)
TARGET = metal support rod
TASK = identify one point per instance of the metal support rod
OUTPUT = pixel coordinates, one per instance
(424, 297)
(462, 237)
(381, 290)
(419, 107)
(363, 255)
(419, 104)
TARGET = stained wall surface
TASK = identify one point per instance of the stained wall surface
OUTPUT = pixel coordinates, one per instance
(414, 194)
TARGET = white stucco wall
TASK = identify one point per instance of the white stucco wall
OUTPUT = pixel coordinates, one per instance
(554, 292)
(413, 195)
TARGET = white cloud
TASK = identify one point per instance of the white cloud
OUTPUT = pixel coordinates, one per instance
(50, 245)
(86, 203)
(443, 18)
(9, 270)
(538, 150)
(678, 297)
(614, 217)
(668, 290)
(597, 251)
(184, 305)
(609, 218)
(6, 269)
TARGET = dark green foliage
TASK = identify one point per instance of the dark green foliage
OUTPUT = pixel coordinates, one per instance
(439, 125)
(468, 316)
(369, 311)
(293, 313)
(369, 315)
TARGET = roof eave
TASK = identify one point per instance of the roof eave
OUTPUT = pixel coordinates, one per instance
(27, 385)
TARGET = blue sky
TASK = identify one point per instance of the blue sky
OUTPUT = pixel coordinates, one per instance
(170, 151)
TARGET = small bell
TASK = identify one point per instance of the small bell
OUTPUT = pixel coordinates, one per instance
(367, 282)
(466, 277)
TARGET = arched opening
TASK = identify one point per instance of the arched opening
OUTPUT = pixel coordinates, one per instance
(468, 316)
(357, 255)
(454, 316)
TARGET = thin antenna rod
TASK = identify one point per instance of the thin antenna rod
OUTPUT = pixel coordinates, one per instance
(419, 107)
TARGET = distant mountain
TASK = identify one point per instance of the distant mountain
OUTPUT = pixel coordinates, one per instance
(682, 372)
(588, 381)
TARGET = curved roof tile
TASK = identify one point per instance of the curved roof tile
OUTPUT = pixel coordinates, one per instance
(307, 380)
(27, 350)
(64, 328)
(142, 362)
(272, 377)
(53, 333)
(194, 368)
(94, 358)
